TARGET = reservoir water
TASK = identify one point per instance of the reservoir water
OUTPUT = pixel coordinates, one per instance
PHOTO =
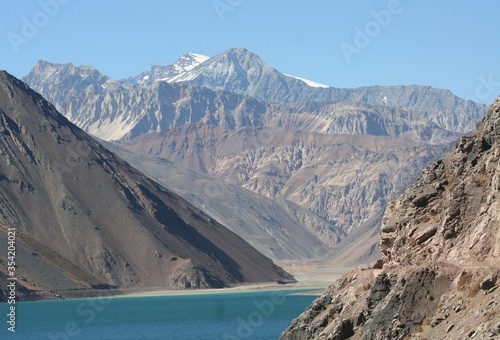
(228, 315)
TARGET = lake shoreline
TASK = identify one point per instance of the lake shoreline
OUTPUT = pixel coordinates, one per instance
(313, 279)
(265, 286)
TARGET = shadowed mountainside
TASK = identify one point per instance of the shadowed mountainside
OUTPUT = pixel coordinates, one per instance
(67, 194)
(264, 223)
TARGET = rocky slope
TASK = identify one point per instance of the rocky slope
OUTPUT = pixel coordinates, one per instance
(332, 184)
(265, 224)
(438, 276)
(113, 110)
(87, 209)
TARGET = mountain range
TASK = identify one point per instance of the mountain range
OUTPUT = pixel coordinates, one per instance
(86, 219)
(330, 158)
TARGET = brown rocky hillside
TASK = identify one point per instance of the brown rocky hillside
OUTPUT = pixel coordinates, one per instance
(440, 240)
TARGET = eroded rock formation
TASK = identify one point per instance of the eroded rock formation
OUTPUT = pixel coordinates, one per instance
(440, 240)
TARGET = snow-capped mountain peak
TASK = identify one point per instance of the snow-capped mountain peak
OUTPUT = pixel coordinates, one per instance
(235, 70)
(184, 64)
(188, 61)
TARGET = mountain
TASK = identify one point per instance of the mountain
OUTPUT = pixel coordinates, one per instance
(123, 112)
(166, 73)
(241, 71)
(440, 240)
(265, 224)
(237, 118)
(118, 110)
(89, 217)
(331, 183)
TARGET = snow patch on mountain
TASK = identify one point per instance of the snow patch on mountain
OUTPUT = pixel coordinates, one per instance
(199, 58)
(156, 73)
(308, 82)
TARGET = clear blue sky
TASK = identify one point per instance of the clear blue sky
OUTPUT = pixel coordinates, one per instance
(452, 44)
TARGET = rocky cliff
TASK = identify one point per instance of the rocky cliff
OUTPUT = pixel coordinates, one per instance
(440, 240)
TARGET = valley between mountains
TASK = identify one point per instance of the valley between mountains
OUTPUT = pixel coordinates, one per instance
(205, 173)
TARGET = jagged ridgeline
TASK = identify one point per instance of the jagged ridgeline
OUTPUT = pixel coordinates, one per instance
(439, 274)
(86, 219)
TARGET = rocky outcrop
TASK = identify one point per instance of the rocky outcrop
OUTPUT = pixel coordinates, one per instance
(440, 240)
(453, 207)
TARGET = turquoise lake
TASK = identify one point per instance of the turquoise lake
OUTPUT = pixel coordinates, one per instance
(238, 315)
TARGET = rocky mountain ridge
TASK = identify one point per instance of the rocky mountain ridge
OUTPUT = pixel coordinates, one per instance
(167, 73)
(241, 71)
(92, 100)
(440, 240)
(125, 112)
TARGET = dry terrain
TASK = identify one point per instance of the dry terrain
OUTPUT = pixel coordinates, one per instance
(439, 274)
(93, 221)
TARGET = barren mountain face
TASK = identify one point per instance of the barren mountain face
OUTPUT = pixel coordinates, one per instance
(440, 240)
(94, 220)
(268, 226)
(340, 179)
(116, 110)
